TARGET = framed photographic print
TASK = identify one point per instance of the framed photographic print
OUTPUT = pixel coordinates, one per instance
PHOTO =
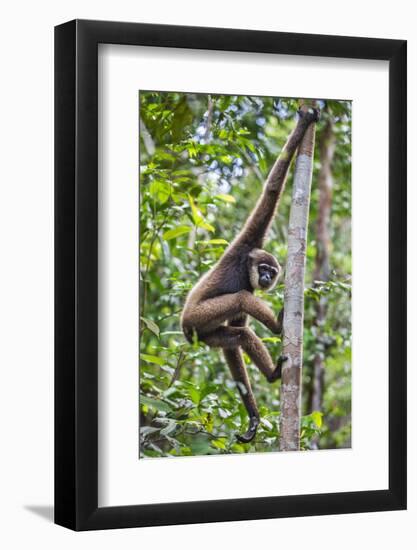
(230, 247)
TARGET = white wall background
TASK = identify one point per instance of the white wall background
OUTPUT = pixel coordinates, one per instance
(26, 285)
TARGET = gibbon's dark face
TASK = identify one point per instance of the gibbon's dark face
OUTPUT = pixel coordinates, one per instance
(264, 270)
(268, 275)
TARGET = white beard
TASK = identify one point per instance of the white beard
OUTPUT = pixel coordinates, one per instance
(254, 277)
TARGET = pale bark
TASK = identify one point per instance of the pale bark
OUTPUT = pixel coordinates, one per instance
(209, 119)
(322, 267)
(292, 337)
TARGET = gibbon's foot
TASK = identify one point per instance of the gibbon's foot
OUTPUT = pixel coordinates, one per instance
(316, 113)
(278, 371)
(312, 111)
(251, 432)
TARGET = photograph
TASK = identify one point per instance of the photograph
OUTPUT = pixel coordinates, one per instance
(228, 235)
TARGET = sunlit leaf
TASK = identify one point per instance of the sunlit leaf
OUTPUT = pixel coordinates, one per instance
(318, 418)
(219, 444)
(206, 225)
(226, 198)
(160, 191)
(152, 359)
(194, 211)
(176, 232)
(215, 241)
(197, 216)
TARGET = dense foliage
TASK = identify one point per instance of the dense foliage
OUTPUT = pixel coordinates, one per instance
(203, 160)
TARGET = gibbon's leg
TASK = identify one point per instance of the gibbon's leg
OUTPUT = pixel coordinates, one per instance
(241, 322)
(240, 375)
(209, 314)
(239, 372)
(244, 337)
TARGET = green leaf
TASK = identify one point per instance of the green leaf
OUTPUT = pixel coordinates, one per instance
(192, 150)
(151, 325)
(227, 159)
(160, 191)
(216, 241)
(318, 418)
(226, 198)
(154, 403)
(219, 444)
(194, 212)
(152, 359)
(267, 424)
(197, 217)
(207, 226)
(176, 232)
(207, 389)
(200, 445)
(194, 393)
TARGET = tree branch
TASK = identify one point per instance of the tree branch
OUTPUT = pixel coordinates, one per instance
(322, 264)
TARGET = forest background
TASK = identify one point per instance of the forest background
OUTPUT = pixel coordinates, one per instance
(203, 161)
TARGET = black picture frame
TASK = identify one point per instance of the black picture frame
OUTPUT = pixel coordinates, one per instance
(76, 272)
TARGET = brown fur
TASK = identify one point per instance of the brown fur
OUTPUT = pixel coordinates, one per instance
(225, 293)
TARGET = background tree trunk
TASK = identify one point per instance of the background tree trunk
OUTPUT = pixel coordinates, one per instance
(322, 268)
(294, 295)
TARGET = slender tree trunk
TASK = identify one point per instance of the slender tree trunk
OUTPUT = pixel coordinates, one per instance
(322, 268)
(294, 295)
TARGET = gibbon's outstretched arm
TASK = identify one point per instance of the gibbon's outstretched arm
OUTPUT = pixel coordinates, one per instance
(257, 225)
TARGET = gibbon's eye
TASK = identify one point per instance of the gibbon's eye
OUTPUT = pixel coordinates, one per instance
(265, 268)
(274, 271)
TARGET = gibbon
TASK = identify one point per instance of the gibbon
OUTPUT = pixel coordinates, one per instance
(217, 308)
